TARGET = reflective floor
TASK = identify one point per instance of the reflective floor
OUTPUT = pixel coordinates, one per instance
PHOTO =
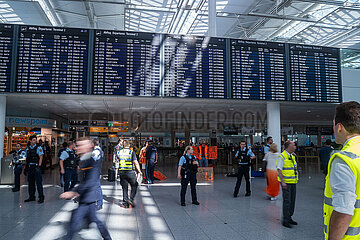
(158, 214)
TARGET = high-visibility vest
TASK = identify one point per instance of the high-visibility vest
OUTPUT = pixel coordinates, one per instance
(289, 171)
(350, 153)
(205, 154)
(125, 161)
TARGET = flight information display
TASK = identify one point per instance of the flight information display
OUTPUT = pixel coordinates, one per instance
(126, 63)
(258, 70)
(194, 67)
(315, 74)
(6, 45)
(52, 60)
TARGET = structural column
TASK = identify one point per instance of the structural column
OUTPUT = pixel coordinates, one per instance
(273, 122)
(2, 123)
(212, 18)
(187, 136)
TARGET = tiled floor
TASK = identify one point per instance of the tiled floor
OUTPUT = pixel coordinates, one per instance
(158, 214)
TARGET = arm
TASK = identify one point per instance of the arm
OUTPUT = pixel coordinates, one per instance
(137, 166)
(283, 184)
(156, 157)
(41, 159)
(62, 170)
(179, 172)
(339, 224)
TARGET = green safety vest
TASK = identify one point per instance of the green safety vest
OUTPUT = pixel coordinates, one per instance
(289, 171)
(125, 159)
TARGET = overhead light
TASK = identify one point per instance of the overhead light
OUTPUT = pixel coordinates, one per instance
(44, 104)
(308, 111)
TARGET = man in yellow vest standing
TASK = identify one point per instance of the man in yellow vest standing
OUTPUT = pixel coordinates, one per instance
(342, 190)
(288, 177)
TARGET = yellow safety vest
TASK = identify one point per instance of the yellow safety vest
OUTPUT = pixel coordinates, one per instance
(290, 172)
(350, 153)
(125, 161)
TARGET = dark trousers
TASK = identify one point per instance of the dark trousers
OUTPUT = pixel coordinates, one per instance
(150, 166)
(99, 196)
(34, 175)
(17, 172)
(190, 177)
(126, 178)
(86, 212)
(289, 195)
(70, 176)
(242, 171)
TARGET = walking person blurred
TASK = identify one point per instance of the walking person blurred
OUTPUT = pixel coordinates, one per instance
(273, 186)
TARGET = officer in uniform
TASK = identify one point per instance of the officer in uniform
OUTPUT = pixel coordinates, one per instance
(86, 191)
(269, 141)
(69, 164)
(18, 166)
(151, 159)
(188, 167)
(244, 156)
(34, 157)
(342, 187)
(98, 156)
(65, 145)
(288, 177)
(127, 160)
(117, 148)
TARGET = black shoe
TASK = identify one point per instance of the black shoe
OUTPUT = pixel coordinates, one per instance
(15, 189)
(196, 203)
(183, 204)
(125, 205)
(247, 194)
(292, 222)
(286, 224)
(131, 202)
(235, 195)
(30, 200)
(41, 200)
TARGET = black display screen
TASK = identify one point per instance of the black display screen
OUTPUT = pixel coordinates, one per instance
(258, 70)
(315, 74)
(194, 67)
(52, 60)
(126, 63)
(6, 46)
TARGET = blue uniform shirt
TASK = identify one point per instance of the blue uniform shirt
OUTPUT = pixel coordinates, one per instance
(183, 160)
(64, 155)
(39, 151)
(249, 153)
(266, 149)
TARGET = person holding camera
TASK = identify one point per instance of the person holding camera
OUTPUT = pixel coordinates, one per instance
(188, 167)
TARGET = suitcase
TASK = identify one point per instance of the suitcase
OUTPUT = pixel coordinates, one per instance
(111, 174)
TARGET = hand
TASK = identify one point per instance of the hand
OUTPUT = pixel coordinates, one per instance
(69, 195)
(178, 177)
(284, 185)
(155, 162)
(62, 171)
(196, 163)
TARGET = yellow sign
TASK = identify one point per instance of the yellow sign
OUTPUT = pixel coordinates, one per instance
(99, 129)
(120, 124)
(113, 136)
(119, 129)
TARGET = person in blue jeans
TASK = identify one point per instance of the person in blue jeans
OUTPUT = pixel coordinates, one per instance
(69, 163)
(203, 154)
(151, 159)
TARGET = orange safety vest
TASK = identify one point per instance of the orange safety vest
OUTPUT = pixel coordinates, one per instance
(142, 156)
(205, 154)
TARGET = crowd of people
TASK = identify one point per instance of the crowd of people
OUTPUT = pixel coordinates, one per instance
(80, 164)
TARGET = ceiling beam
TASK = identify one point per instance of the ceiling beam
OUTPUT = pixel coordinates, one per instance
(90, 14)
(332, 3)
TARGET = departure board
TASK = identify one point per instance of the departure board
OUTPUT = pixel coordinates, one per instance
(52, 60)
(315, 74)
(126, 63)
(6, 45)
(258, 70)
(195, 67)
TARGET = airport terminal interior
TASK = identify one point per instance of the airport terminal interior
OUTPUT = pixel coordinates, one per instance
(162, 86)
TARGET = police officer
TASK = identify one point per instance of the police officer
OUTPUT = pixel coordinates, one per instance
(342, 188)
(86, 191)
(269, 141)
(98, 156)
(187, 173)
(64, 145)
(69, 164)
(288, 177)
(117, 148)
(244, 156)
(127, 160)
(18, 166)
(34, 157)
(151, 159)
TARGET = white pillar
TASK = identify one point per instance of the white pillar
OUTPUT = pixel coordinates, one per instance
(212, 18)
(273, 122)
(2, 123)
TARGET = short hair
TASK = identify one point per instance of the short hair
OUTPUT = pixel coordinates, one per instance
(96, 142)
(268, 138)
(64, 144)
(70, 143)
(126, 143)
(287, 144)
(32, 137)
(328, 142)
(348, 114)
(243, 141)
(274, 148)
